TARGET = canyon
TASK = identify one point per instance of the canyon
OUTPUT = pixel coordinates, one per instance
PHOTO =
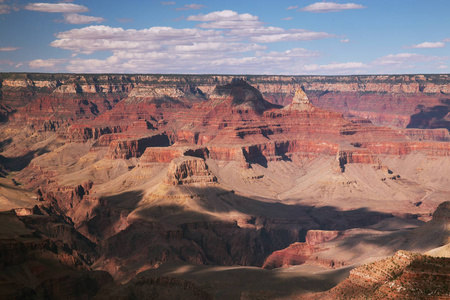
(167, 185)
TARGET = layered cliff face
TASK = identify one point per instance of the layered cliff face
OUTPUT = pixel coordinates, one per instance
(205, 170)
(414, 101)
(188, 169)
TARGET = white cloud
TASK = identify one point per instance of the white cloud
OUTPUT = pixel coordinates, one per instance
(325, 7)
(57, 7)
(234, 48)
(291, 35)
(277, 34)
(345, 41)
(217, 46)
(226, 19)
(292, 7)
(49, 64)
(447, 40)
(442, 67)
(230, 24)
(100, 38)
(91, 46)
(228, 15)
(7, 49)
(163, 34)
(191, 6)
(81, 19)
(429, 45)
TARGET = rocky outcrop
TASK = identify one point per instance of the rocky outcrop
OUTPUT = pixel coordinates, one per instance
(300, 101)
(402, 276)
(66, 197)
(167, 154)
(300, 253)
(315, 237)
(355, 156)
(188, 169)
(404, 148)
(127, 148)
(295, 254)
(161, 94)
(427, 134)
(240, 96)
(82, 132)
(442, 212)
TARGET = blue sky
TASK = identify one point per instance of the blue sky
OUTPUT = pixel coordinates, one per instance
(226, 37)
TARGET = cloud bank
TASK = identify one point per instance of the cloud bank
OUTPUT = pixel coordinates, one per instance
(326, 7)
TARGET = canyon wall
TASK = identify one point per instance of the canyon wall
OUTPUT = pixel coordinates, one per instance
(413, 101)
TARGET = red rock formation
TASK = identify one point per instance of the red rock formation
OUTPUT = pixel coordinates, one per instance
(66, 197)
(300, 101)
(240, 96)
(355, 156)
(300, 253)
(295, 254)
(128, 148)
(167, 154)
(188, 169)
(84, 132)
(315, 237)
(427, 134)
(403, 148)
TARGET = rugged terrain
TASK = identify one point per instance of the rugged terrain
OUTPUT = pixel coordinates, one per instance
(135, 185)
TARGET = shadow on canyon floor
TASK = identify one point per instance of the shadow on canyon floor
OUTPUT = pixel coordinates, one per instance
(5, 143)
(211, 202)
(225, 229)
(21, 162)
(431, 117)
(199, 237)
(232, 282)
(124, 201)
